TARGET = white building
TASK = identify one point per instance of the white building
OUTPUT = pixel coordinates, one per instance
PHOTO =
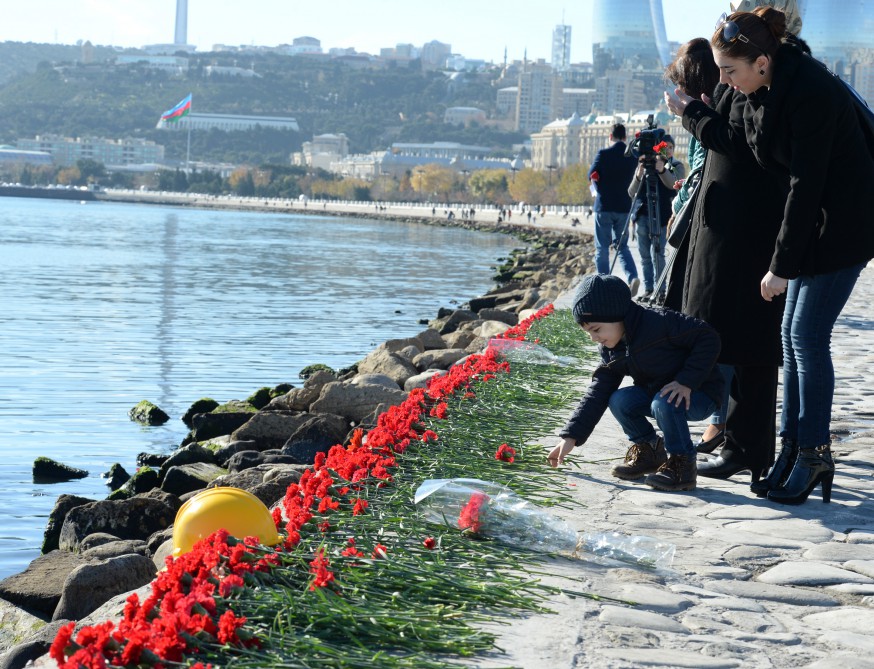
(67, 150)
(230, 122)
(463, 115)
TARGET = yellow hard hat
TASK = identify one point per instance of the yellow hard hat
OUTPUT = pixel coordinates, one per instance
(235, 510)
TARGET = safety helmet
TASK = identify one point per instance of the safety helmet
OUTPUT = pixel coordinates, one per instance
(235, 510)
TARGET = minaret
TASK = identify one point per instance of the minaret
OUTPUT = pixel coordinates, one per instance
(181, 22)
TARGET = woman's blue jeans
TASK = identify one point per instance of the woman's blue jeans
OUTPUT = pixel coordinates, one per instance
(632, 405)
(813, 304)
(719, 416)
(652, 251)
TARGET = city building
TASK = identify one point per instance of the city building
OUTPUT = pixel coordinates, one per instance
(561, 48)
(229, 71)
(578, 139)
(842, 39)
(322, 151)
(181, 33)
(620, 90)
(172, 64)
(628, 35)
(9, 155)
(303, 45)
(538, 98)
(230, 122)
(434, 55)
(463, 115)
(111, 152)
(577, 101)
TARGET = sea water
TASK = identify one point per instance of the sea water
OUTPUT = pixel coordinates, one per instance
(103, 305)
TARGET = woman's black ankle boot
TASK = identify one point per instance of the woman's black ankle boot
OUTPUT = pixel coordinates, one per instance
(780, 471)
(813, 466)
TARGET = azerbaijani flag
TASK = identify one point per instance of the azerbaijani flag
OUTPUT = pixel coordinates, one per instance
(180, 110)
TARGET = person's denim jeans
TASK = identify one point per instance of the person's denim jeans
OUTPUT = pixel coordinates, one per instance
(652, 252)
(608, 229)
(813, 304)
(632, 405)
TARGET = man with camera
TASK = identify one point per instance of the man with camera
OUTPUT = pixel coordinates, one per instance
(653, 189)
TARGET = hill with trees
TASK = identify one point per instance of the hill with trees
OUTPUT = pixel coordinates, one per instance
(373, 107)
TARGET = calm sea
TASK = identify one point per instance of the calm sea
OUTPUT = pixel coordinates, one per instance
(104, 305)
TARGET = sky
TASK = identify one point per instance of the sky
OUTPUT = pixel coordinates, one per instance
(477, 29)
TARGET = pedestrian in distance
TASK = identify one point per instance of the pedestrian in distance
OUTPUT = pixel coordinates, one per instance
(609, 175)
(672, 360)
(802, 124)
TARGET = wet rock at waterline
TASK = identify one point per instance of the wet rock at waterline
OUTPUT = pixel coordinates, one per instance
(46, 470)
(147, 413)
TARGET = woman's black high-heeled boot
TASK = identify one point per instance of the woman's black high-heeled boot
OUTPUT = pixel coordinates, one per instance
(780, 471)
(813, 466)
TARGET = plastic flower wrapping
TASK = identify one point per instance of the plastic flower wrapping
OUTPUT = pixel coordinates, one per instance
(516, 350)
(494, 511)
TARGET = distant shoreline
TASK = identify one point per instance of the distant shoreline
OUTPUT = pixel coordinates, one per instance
(485, 216)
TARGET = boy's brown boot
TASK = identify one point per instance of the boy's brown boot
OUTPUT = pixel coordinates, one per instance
(680, 472)
(642, 458)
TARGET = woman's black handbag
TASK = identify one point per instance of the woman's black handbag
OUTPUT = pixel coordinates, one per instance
(683, 218)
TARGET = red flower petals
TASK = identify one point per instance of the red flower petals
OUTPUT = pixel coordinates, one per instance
(505, 453)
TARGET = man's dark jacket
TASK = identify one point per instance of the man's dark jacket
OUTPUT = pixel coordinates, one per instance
(615, 172)
(659, 346)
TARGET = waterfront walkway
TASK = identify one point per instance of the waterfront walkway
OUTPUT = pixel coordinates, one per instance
(753, 584)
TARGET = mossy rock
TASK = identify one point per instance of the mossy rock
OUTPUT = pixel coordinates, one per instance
(143, 480)
(309, 370)
(235, 406)
(203, 405)
(147, 413)
(281, 389)
(260, 398)
(46, 469)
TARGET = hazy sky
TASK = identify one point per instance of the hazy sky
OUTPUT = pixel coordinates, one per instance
(474, 28)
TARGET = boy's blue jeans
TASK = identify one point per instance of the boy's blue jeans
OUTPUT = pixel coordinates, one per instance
(813, 304)
(632, 405)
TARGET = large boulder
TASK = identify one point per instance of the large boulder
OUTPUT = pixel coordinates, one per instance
(383, 361)
(144, 480)
(270, 429)
(48, 470)
(134, 518)
(203, 405)
(225, 452)
(268, 482)
(376, 379)
(398, 345)
(421, 380)
(36, 645)
(458, 317)
(299, 399)
(508, 317)
(56, 519)
(38, 588)
(116, 477)
(355, 402)
(188, 478)
(216, 424)
(430, 339)
(439, 358)
(477, 304)
(458, 339)
(317, 435)
(16, 626)
(491, 329)
(187, 455)
(147, 413)
(117, 548)
(90, 585)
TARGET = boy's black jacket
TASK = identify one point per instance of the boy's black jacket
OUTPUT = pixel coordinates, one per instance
(660, 346)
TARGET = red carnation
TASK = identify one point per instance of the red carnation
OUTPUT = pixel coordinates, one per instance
(505, 453)
(430, 543)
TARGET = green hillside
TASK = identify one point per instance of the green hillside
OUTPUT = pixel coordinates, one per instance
(373, 107)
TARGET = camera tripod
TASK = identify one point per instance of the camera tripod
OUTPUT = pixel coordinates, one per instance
(651, 197)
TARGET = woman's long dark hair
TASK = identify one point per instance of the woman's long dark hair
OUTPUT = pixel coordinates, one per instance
(693, 69)
(764, 30)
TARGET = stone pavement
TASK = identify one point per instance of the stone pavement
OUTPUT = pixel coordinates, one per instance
(753, 583)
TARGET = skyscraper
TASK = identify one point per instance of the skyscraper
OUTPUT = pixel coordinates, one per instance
(561, 48)
(842, 38)
(628, 34)
(181, 36)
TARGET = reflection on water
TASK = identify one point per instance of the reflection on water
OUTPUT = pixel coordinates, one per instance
(108, 304)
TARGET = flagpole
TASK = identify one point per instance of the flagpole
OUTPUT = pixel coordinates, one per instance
(188, 152)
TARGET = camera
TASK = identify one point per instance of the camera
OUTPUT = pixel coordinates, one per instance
(643, 145)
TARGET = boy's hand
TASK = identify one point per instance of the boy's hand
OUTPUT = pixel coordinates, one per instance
(677, 393)
(559, 453)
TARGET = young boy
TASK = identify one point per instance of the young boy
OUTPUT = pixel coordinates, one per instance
(672, 360)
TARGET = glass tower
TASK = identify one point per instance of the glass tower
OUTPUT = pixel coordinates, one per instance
(561, 48)
(838, 35)
(629, 34)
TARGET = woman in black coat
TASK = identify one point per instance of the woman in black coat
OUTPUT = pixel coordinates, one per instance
(802, 125)
(728, 247)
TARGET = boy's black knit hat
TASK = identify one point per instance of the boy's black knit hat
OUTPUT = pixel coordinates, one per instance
(601, 298)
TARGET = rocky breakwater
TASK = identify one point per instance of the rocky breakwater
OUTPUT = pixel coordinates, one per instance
(96, 551)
